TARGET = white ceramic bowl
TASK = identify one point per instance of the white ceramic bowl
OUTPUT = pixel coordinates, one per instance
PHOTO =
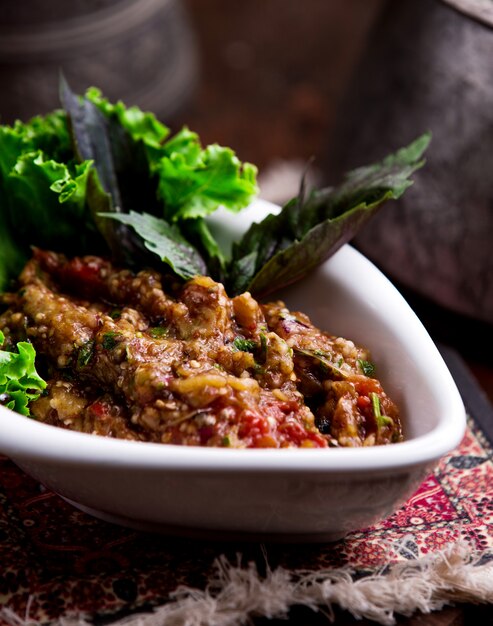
(293, 494)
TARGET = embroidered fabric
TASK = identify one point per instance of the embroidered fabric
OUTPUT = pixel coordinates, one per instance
(58, 562)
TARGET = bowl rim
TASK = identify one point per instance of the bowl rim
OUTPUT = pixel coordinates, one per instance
(37, 441)
(22, 438)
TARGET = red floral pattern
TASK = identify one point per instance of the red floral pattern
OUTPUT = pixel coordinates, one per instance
(57, 560)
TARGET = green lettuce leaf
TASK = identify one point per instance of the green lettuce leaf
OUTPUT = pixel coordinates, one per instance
(48, 133)
(61, 173)
(20, 383)
(12, 257)
(46, 203)
(193, 181)
(42, 199)
(141, 126)
(283, 248)
(138, 171)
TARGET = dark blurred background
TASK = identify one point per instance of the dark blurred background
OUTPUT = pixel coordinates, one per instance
(272, 73)
(284, 81)
(264, 77)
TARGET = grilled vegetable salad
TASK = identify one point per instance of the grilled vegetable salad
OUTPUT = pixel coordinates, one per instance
(109, 182)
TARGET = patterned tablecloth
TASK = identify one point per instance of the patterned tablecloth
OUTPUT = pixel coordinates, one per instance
(55, 560)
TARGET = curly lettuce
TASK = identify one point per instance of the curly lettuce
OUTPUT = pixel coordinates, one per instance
(42, 192)
(192, 180)
(20, 383)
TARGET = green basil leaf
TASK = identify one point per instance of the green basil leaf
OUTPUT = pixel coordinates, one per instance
(121, 181)
(165, 241)
(197, 232)
(283, 248)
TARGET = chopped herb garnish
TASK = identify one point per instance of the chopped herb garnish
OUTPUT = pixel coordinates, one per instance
(158, 332)
(85, 353)
(325, 365)
(382, 420)
(263, 348)
(110, 340)
(367, 367)
(115, 314)
(245, 345)
(226, 442)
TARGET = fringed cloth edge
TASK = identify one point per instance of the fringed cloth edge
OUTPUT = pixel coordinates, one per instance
(235, 593)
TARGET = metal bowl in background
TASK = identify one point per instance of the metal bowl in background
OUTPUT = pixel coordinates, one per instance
(140, 51)
(428, 66)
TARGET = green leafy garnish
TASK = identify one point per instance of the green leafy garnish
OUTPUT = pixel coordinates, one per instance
(110, 340)
(381, 420)
(367, 367)
(323, 361)
(141, 175)
(244, 345)
(20, 383)
(264, 347)
(192, 181)
(85, 354)
(140, 125)
(42, 193)
(105, 179)
(120, 179)
(101, 177)
(283, 248)
(158, 332)
(166, 241)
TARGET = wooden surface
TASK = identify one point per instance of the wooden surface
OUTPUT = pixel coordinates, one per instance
(272, 75)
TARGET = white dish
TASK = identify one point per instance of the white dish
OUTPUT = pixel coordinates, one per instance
(295, 494)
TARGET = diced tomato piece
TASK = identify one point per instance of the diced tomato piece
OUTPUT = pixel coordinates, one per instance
(363, 402)
(205, 433)
(100, 409)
